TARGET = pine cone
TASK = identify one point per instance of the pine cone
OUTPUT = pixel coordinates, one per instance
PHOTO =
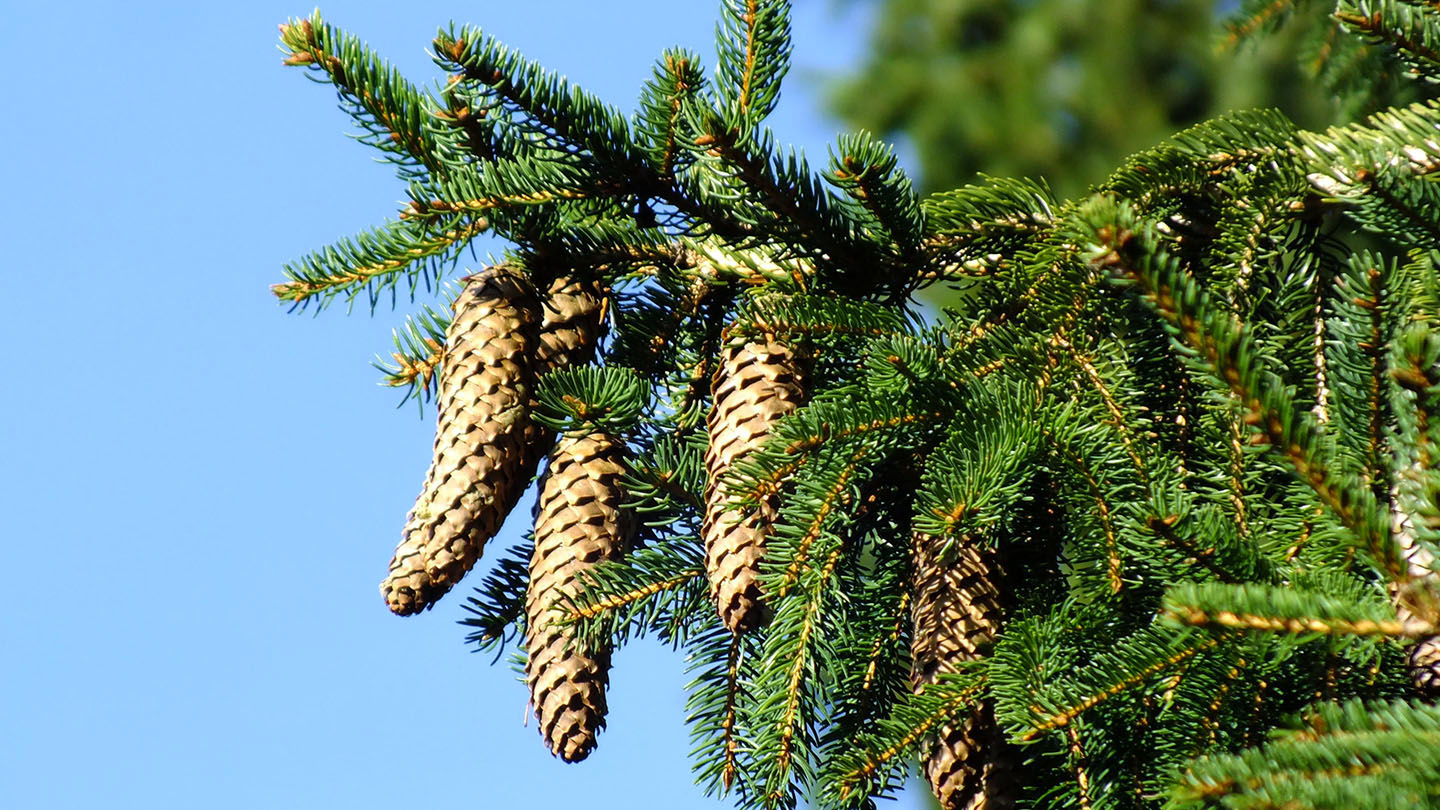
(482, 461)
(756, 383)
(570, 327)
(578, 522)
(486, 447)
(1423, 664)
(956, 612)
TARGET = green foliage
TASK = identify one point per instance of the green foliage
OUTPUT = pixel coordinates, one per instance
(1194, 415)
(590, 398)
(1033, 89)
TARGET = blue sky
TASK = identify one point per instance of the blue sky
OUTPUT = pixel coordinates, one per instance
(199, 491)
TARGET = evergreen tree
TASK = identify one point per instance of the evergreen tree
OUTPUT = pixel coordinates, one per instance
(1064, 89)
(1148, 519)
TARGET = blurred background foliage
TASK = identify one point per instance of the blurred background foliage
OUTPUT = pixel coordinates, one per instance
(1065, 89)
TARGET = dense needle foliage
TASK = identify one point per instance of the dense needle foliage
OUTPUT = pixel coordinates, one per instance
(1180, 436)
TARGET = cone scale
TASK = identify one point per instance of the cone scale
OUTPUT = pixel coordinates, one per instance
(756, 383)
(579, 522)
(956, 612)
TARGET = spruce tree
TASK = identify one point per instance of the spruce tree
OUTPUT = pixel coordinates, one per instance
(1034, 88)
(1148, 519)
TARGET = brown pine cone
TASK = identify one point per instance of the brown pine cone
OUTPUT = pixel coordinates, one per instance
(486, 447)
(756, 383)
(482, 461)
(956, 611)
(570, 324)
(1423, 664)
(578, 522)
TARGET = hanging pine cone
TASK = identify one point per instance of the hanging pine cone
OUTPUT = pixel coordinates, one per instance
(482, 461)
(1423, 664)
(486, 447)
(757, 382)
(570, 325)
(956, 612)
(578, 522)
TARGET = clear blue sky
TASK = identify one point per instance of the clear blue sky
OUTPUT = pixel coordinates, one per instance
(200, 492)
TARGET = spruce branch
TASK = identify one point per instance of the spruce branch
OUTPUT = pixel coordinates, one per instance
(793, 654)
(394, 113)
(668, 483)
(1116, 417)
(1100, 494)
(1183, 443)
(824, 496)
(1137, 660)
(571, 121)
(418, 356)
(882, 423)
(790, 203)
(497, 606)
(378, 260)
(1253, 606)
(1128, 250)
(1344, 162)
(873, 764)
(802, 317)
(979, 471)
(867, 170)
(998, 205)
(722, 745)
(1412, 30)
(677, 85)
(655, 591)
(588, 398)
(753, 43)
(1347, 755)
(1364, 316)
(516, 182)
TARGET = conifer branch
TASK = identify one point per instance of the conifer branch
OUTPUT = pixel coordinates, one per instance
(820, 425)
(1241, 28)
(792, 205)
(577, 122)
(1079, 767)
(677, 85)
(393, 112)
(754, 46)
(1114, 575)
(1360, 327)
(837, 496)
(1236, 450)
(589, 607)
(375, 261)
(498, 605)
(727, 726)
(1347, 755)
(1130, 665)
(868, 172)
(419, 354)
(1230, 350)
(1112, 407)
(791, 720)
(1179, 481)
(652, 590)
(1252, 606)
(1412, 31)
(877, 648)
(806, 316)
(901, 734)
(721, 663)
(1164, 528)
